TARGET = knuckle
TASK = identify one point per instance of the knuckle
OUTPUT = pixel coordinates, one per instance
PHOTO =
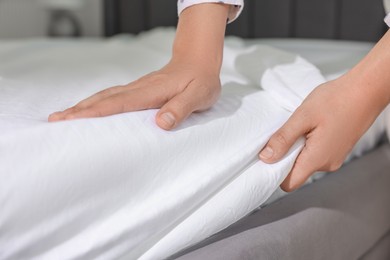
(334, 166)
(157, 79)
(303, 112)
(70, 117)
(180, 107)
(331, 164)
(302, 115)
(288, 187)
(98, 113)
(206, 96)
(155, 102)
(81, 104)
(280, 138)
(109, 91)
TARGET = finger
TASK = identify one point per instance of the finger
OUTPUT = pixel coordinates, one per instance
(281, 141)
(101, 95)
(131, 100)
(176, 110)
(308, 162)
(61, 115)
(58, 116)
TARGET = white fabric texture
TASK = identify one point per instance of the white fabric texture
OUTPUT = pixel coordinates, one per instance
(235, 9)
(119, 187)
(112, 187)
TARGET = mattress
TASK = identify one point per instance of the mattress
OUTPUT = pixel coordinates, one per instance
(333, 218)
(120, 187)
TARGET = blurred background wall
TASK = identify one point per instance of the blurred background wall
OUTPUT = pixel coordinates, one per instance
(30, 18)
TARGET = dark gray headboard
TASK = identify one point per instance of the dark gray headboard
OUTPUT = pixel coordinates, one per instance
(332, 19)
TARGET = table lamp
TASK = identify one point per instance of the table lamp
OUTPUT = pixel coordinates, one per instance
(62, 20)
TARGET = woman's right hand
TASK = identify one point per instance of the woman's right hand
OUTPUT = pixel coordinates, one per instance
(178, 89)
(188, 83)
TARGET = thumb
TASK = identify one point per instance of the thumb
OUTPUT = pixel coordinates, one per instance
(282, 140)
(177, 109)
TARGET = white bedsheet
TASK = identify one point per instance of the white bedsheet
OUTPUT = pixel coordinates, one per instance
(119, 187)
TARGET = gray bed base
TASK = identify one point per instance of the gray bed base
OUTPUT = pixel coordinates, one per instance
(344, 216)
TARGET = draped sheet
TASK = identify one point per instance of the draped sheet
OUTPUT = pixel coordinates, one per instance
(119, 187)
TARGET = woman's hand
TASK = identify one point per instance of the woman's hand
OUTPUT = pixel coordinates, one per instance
(179, 89)
(334, 117)
(188, 83)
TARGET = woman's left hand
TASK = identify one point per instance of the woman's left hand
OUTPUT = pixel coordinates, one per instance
(332, 118)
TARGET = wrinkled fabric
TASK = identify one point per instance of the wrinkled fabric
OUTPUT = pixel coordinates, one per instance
(119, 187)
(113, 187)
(234, 12)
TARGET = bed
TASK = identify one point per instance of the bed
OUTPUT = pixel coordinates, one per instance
(258, 235)
(120, 188)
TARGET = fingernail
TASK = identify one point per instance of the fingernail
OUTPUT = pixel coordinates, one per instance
(53, 116)
(267, 153)
(169, 119)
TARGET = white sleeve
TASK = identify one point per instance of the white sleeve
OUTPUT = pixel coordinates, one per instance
(235, 9)
(386, 3)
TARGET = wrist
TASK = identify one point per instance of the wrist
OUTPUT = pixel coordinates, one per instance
(211, 63)
(371, 74)
(200, 36)
(366, 91)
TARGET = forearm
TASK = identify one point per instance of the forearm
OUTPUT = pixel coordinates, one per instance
(200, 35)
(371, 77)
